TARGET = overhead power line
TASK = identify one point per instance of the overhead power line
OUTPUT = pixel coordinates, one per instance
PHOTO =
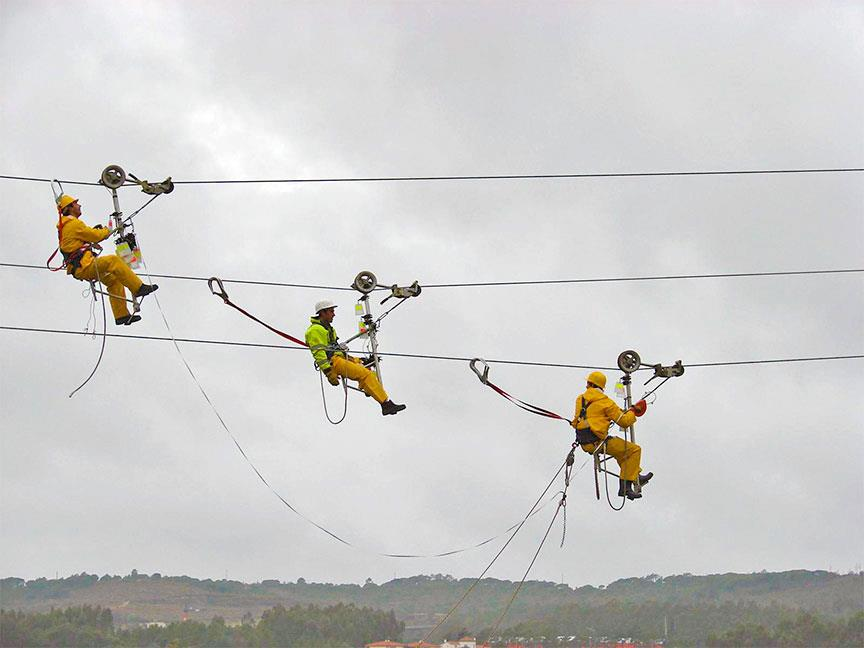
(477, 284)
(509, 176)
(423, 356)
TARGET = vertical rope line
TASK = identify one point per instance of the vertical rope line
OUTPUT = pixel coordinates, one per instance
(525, 575)
(492, 562)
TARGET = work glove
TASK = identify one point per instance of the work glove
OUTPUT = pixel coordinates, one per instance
(639, 408)
(333, 378)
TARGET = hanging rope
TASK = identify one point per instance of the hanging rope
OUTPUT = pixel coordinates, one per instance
(94, 292)
(532, 511)
(561, 506)
(324, 399)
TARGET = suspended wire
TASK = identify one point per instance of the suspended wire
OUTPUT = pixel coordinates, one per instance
(276, 493)
(513, 176)
(782, 273)
(423, 356)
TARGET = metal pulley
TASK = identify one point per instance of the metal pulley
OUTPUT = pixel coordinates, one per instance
(365, 282)
(629, 361)
(113, 176)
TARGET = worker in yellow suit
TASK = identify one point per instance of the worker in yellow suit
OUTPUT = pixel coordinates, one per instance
(335, 362)
(595, 412)
(76, 240)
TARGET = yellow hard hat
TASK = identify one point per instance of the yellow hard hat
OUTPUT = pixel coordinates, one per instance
(64, 201)
(597, 378)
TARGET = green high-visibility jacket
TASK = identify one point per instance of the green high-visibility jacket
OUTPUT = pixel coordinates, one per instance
(320, 336)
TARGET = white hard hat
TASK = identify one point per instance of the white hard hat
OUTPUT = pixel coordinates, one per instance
(323, 305)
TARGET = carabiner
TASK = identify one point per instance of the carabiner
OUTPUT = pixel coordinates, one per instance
(56, 194)
(222, 292)
(484, 376)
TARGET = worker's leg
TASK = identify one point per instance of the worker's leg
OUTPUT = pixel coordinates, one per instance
(112, 271)
(627, 454)
(115, 266)
(353, 370)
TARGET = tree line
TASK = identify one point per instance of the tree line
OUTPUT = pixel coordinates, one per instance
(86, 626)
(724, 625)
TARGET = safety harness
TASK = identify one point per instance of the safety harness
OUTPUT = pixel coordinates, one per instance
(585, 436)
(71, 260)
(332, 340)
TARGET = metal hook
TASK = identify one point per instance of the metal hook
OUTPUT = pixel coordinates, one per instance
(484, 376)
(403, 292)
(672, 371)
(154, 188)
(222, 292)
(60, 185)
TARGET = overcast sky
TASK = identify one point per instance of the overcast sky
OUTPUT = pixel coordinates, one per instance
(757, 466)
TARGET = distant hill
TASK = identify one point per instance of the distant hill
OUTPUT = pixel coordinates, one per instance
(421, 600)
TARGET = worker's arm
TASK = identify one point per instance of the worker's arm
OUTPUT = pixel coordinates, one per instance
(79, 230)
(622, 419)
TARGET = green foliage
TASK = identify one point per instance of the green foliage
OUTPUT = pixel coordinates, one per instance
(339, 625)
(758, 607)
(725, 625)
(801, 629)
(75, 626)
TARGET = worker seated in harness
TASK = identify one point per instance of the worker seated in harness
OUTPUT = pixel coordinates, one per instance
(77, 242)
(595, 411)
(335, 362)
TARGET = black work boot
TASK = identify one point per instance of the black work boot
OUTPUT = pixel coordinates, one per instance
(145, 290)
(644, 479)
(625, 489)
(127, 320)
(389, 407)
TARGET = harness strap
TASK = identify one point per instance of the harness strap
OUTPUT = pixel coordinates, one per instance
(72, 259)
(224, 295)
(585, 436)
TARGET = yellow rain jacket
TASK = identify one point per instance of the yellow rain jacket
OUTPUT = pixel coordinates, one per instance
(600, 412)
(319, 336)
(74, 234)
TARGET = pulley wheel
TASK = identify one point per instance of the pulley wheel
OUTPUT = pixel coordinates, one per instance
(365, 282)
(113, 177)
(629, 361)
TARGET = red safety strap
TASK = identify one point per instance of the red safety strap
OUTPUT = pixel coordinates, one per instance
(528, 407)
(60, 225)
(224, 295)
